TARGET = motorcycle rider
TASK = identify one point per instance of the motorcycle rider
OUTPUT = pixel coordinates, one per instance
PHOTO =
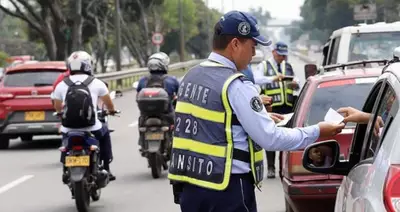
(80, 67)
(158, 67)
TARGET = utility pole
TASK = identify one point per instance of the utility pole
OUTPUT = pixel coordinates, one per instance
(182, 33)
(117, 24)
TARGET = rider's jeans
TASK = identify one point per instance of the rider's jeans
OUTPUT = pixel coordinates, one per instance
(103, 136)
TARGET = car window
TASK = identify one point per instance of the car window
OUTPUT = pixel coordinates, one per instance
(31, 78)
(387, 110)
(357, 145)
(377, 45)
(337, 94)
(300, 99)
(334, 51)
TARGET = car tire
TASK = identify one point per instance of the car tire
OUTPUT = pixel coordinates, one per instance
(4, 142)
(26, 138)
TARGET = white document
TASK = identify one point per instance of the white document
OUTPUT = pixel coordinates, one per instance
(286, 119)
(333, 117)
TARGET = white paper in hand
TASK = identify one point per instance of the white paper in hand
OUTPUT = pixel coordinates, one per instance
(285, 120)
(333, 117)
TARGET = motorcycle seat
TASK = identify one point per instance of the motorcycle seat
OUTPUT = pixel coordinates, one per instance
(79, 134)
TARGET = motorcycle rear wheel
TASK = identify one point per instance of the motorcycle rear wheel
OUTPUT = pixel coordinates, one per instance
(82, 196)
(155, 165)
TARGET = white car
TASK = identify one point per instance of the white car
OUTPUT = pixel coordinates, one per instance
(362, 42)
(372, 170)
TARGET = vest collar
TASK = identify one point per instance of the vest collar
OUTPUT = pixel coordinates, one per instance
(222, 60)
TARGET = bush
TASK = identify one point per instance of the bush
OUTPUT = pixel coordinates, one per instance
(3, 58)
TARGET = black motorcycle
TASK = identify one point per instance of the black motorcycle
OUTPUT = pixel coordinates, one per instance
(84, 175)
(155, 128)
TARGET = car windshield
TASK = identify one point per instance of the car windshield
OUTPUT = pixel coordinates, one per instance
(44, 77)
(337, 94)
(371, 46)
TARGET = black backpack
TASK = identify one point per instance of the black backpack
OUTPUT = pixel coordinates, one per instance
(79, 111)
(156, 81)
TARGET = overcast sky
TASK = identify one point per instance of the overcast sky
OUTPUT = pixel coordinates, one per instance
(282, 9)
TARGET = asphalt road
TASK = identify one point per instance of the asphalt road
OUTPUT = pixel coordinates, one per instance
(30, 176)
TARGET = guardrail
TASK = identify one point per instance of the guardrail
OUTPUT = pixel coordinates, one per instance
(123, 80)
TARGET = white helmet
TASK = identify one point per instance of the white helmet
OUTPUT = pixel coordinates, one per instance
(158, 62)
(80, 61)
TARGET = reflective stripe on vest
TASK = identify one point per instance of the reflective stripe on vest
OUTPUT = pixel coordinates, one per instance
(279, 91)
(203, 150)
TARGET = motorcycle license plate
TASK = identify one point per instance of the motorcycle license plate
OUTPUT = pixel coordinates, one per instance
(73, 161)
(154, 136)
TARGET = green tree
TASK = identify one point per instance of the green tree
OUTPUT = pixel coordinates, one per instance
(3, 58)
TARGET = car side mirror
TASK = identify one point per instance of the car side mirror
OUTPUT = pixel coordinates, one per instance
(310, 70)
(323, 157)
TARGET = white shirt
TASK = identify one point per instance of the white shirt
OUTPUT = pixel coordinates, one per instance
(97, 89)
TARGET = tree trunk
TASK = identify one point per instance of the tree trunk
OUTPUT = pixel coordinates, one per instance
(77, 26)
(49, 40)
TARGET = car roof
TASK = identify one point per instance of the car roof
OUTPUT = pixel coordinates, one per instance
(346, 74)
(368, 28)
(59, 65)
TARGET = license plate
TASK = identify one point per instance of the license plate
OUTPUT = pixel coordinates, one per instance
(34, 116)
(72, 161)
(154, 136)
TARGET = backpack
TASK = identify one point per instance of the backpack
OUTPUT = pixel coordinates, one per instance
(156, 81)
(79, 111)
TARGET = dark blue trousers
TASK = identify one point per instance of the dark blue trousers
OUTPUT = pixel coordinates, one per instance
(238, 197)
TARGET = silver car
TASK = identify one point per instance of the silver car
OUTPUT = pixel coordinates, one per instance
(372, 170)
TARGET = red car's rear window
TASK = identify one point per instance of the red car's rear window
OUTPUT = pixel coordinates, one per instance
(45, 77)
(336, 94)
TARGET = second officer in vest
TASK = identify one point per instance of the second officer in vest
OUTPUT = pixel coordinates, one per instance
(217, 111)
(269, 75)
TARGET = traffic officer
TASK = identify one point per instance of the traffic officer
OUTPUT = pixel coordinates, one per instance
(269, 75)
(218, 109)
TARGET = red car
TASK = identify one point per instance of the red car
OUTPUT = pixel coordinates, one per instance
(304, 190)
(25, 104)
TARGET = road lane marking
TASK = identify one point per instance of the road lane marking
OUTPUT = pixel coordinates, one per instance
(133, 124)
(15, 183)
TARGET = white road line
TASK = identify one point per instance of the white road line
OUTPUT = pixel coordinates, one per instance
(15, 183)
(133, 124)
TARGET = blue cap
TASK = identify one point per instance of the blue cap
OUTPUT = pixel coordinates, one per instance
(281, 48)
(242, 24)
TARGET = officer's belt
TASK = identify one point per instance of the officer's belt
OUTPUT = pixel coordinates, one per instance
(239, 154)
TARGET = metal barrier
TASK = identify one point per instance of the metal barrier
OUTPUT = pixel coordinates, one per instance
(127, 77)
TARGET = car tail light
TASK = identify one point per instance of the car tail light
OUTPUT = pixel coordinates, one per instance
(5, 96)
(391, 192)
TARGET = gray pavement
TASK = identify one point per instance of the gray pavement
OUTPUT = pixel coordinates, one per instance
(30, 176)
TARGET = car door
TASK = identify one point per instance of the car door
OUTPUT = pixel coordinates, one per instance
(357, 189)
(357, 144)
